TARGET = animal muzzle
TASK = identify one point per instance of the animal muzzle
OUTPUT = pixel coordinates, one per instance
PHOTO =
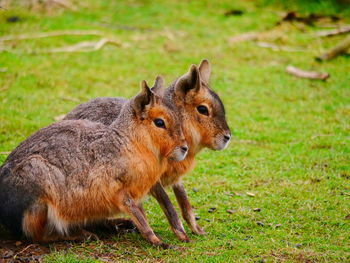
(221, 141)
(179, 153)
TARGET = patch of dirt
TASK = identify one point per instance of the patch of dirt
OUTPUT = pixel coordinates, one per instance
(25, 251)
(19, 250)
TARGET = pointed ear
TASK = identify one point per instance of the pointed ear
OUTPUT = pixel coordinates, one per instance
(188, 81)
(205, 70)
(142, 99)
(158, 87)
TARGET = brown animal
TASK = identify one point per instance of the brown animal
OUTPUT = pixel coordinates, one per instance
(204, 125)
(75, 172)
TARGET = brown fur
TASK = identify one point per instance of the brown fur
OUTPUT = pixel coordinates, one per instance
(76, 171)
(34, 221)
(186, 93)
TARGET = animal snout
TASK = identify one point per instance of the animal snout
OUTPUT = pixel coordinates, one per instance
(221, 141)
(179, 153)
(184, 149)
(227, 137)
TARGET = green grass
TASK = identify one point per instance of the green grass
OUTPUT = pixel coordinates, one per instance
(291, 136)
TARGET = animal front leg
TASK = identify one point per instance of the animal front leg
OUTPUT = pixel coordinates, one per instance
(163, 199)
(186, 209)
(136, 214)
(142, 210)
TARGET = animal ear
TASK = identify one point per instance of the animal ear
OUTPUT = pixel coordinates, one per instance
(143, 98)
(205, 70)
(188, 81)
(158, 87)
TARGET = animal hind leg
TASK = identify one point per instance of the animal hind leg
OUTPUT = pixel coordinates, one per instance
(35, 226)
(34, 223)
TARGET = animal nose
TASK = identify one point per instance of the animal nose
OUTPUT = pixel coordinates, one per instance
(184, 149)
(227, 137)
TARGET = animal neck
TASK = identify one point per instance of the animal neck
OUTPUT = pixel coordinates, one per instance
(146, 145)
(193, 137)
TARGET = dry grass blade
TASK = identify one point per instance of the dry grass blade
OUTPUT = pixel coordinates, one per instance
(39, 5)
(243, 37)
(306, 74)
(278, 48)
(66, 4)
(53, 34)
(24, 249)
(85, 46)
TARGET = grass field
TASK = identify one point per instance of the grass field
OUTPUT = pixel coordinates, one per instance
(291, 136)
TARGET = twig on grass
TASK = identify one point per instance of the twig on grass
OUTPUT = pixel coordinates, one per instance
(84, 46)
(24, 249)
(65, 4)
(244, 37)
(278, 48)
(53, 34)
(255, 36)
(335, 51)
(5, 153)
(306, 74)
(333, 32)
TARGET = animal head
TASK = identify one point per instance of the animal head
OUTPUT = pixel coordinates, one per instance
(158, 122)
(204, 113)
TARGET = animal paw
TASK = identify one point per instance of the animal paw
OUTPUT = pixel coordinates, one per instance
(181, 235)
(197, 230)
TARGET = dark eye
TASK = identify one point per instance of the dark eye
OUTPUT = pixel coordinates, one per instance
(159, 123)
(203, 110)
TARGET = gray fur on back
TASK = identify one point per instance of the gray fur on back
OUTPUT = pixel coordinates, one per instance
(106, 109)
(103, 110)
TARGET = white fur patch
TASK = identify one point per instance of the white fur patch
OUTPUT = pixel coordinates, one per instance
(56, 223)
(178, 155)
(220, 143)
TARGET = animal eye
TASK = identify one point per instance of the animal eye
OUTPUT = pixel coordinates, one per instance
(203, 110)
(159, 123)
